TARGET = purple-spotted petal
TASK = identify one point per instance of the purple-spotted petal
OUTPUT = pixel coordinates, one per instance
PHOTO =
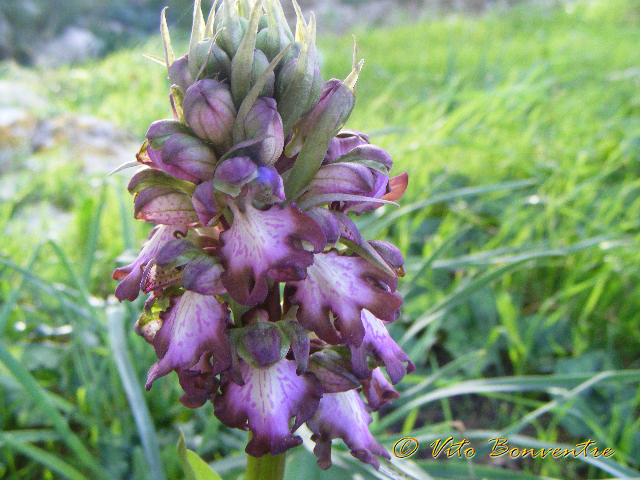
(378, 343)
(165, 205)
(195, 325)
(344, 415)
(266, 243)
(131, 275)
(378, 390)
(158, 277)
(341, 286)
(266, 403)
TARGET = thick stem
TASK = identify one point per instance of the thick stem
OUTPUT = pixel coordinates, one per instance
(266, 467)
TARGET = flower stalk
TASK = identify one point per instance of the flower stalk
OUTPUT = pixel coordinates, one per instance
(267, 467)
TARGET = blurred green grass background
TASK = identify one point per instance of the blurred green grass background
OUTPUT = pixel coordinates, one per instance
(521, 135)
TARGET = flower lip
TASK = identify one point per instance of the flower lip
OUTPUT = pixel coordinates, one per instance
(266, 243)
(195, 325)
(344, 415)
(265, 404)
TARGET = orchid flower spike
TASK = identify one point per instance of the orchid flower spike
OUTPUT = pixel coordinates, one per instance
(251, 186)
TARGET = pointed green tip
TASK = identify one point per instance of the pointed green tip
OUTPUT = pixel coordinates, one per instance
(169, 56)
(352, 78)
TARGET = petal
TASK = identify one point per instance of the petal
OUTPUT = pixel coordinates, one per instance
(203, 274)
(198, 382)
(186, 157)
(131, 275)
(266, 243)
(389, 252)
(344, 415)
(236, 171)
(265, 404)
(328, 221)
(378, 343)
(195, 325)
(343, 142)
(165, 205)
(333, 371)
(378, 390)
(397, 186)
(343, 285)
(351, 178)
(204, 203)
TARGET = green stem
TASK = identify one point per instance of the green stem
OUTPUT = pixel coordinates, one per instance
(266, 467)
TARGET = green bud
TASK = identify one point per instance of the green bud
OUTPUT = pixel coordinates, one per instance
(215, 60)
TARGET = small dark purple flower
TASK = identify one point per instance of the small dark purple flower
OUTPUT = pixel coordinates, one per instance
(378, 343)
(344, 415)
(184, 156)
(377, 389)
(131, 275)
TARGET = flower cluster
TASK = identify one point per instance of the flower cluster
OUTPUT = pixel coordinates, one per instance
(264, 297)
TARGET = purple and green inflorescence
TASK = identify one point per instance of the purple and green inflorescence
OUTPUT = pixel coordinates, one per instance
(263, 296)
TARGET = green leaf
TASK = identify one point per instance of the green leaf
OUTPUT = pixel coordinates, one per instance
(194, 467)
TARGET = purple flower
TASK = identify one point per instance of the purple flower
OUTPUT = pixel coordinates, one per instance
(263, 244)
(266, 403)
(193, 327)
(131, 275)
(377, 389)
(336, 289)
(378, 343)
(252, 186)
(185, 157)
(344, 415)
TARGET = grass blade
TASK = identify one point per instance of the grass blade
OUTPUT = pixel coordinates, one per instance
(542, 383)
(41, 401)
(115, 319)
(43, 457)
